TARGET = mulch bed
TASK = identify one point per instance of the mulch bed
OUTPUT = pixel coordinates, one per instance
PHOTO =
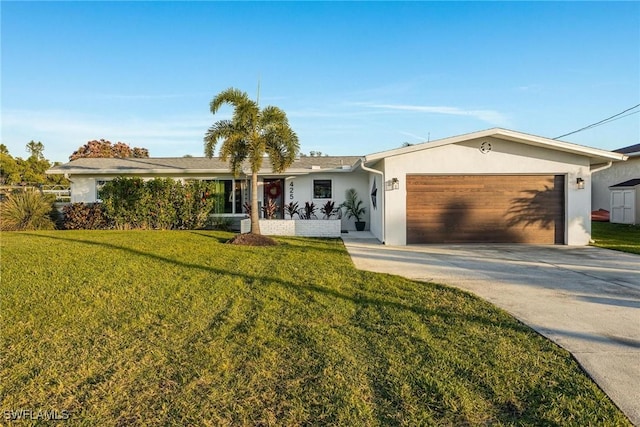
(250, 239)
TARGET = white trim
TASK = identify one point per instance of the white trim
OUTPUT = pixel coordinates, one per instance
(509, 135)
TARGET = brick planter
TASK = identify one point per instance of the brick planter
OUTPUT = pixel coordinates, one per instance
(296, 227)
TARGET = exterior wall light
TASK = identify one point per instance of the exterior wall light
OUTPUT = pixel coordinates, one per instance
(395, 183)
(580, 183)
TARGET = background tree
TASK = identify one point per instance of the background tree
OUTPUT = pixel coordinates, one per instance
(9, 170)
(35, 149)
(247, 136)
(104, 148)
(18, 171)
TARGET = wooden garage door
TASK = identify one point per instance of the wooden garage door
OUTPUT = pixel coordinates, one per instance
(485, 208)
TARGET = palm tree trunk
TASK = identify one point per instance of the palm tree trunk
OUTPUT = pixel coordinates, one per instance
(255, 213)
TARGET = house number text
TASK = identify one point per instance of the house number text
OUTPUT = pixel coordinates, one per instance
(291, 190)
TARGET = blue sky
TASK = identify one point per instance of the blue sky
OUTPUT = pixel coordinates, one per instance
(354, 78)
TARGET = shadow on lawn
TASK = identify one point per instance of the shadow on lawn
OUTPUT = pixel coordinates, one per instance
(300, 243)
(357, 298)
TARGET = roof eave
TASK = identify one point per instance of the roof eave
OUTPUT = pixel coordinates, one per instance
(594, 154)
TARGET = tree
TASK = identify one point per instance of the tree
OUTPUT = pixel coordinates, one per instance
(30, 171)
(247, 136)
(9, 169)
(104, 148)
(35, 149)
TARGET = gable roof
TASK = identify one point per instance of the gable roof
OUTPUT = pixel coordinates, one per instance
(595, 155)
(193, 165)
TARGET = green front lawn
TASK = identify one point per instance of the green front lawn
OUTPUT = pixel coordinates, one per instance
(620, 237)
(177, 328)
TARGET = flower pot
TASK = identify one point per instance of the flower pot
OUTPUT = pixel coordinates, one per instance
(360, 225)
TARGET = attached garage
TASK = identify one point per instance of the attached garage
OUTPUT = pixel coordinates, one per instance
(492, 186)
(485, 209)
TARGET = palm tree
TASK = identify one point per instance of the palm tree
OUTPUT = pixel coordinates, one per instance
(247, 136)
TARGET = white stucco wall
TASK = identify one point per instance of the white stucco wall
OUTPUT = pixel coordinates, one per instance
(504, 158)
(302, 191)
(375, 214)
(617, 173)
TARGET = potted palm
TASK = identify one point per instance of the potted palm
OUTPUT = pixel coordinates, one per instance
(353, 208)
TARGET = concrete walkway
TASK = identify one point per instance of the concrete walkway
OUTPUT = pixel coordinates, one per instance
(585, 299)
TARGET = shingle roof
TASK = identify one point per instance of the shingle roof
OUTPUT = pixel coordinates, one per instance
(93, 166)
(632, 149)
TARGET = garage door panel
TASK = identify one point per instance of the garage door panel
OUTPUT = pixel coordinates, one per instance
(485, 208)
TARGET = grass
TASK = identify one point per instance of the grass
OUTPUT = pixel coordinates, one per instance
(177, 328)
(620, 237)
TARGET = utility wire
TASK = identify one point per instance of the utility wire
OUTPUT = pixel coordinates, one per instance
(601, 122)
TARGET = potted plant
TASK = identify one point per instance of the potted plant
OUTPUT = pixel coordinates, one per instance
(353, 208)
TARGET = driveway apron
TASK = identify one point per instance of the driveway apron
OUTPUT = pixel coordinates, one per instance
(585, 299)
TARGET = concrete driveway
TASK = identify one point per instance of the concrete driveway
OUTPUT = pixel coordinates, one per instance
(585, 299)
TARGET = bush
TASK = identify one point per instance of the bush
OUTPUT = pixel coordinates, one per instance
(26, 210)
(161, 203)
(79, 216)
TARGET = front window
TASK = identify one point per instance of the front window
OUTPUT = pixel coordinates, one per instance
(322, 189)
(228, 194)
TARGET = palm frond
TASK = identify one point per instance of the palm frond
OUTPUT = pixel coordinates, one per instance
(219, 130)
(232, 96)
(282, 146)
(271, 115)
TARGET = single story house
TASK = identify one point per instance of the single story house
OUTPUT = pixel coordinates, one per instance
(614, 174)
(492, 186)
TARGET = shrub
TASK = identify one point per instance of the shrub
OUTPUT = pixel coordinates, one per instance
(196, 202)
(79, 216)
(160, 203)
(309, 211)
(26, 210)
(329, 209)
(270, 209)
(292, 209)
(123, 201)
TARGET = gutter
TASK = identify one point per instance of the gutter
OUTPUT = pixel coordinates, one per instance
(382, 184)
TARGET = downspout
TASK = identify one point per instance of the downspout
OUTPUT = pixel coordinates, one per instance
(382, 185)
(601, 168)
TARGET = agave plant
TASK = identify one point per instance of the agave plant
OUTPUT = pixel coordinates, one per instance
(26, 210)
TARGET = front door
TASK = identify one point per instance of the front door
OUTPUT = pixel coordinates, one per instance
(273, 193)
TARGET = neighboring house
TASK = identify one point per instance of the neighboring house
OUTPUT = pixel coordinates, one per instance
(614, 174)
(491, 186)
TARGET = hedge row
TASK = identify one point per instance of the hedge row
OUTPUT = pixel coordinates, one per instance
(131, 203)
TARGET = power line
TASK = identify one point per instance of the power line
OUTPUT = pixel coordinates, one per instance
(601, 122)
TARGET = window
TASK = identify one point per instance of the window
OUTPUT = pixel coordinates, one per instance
(321, 188)
(228, 194)
(99, 184)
